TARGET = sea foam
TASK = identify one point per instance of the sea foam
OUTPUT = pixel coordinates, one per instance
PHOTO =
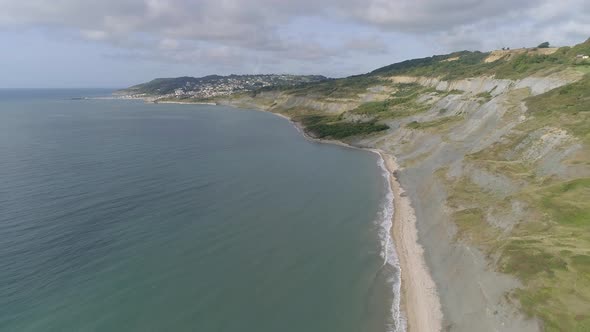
(391, 264)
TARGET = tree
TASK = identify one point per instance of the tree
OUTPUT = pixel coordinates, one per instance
(544, 45)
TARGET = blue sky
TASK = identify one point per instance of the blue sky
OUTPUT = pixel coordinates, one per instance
(117, 43)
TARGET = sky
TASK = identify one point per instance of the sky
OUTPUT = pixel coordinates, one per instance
(118, 43)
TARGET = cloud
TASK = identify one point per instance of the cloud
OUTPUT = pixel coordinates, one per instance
(372, 44)
(432, 15)
(94, 34)
(168, 44)
(210, 31)
(562, 23)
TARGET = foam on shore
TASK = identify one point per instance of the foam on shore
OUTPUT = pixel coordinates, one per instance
(388, 253)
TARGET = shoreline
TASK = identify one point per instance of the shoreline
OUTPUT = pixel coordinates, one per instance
(419, 306)
(420, 301)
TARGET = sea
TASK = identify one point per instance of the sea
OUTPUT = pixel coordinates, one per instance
(120, 215)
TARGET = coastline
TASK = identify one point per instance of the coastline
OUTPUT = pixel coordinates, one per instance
(420, 305)
(420, 301)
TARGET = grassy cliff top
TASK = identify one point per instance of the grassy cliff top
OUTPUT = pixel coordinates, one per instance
(511, 64)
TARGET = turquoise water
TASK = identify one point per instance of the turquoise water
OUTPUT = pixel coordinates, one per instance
(123, 216)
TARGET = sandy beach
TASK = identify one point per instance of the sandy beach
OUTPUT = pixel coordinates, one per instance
(420, 302)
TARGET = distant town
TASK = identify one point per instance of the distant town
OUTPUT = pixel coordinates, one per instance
(212, 86)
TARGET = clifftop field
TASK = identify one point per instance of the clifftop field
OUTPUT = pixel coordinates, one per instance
(495, 156)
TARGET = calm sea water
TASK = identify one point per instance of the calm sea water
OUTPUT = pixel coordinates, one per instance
(123, 216)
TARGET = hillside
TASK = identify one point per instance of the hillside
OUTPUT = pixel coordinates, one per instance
(213, 85)
(495, 156)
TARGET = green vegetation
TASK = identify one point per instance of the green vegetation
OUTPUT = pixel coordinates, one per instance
(557, 283)
(401, 104)
(543, 45)
(413, 125)
(569, 106)
(437, 123)
(348, 87)
(455, 92)
(373, 108)
(583, 48)
(467, 64)
(582, 264)
(470, 64)
(486, 96)
(526, 64)
(548, 249)
(409, 90)
(562, 202)
(390, 109)
(435, 65)
(465, 199)
(322, 126)
(527, 261)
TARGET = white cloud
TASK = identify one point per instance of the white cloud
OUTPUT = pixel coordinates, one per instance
(254, 30)
(93, 34)
(169, 44)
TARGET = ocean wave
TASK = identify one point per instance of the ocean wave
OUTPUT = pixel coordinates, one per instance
(390, 259)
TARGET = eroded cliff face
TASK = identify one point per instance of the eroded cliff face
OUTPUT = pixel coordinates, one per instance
(448, 186)
(476, 85)
(482, 171)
